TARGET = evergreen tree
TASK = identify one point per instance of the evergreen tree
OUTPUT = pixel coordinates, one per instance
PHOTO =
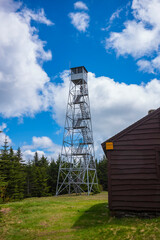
(29, 179)
(4, 171)
(3, 182)
(15, 189)
(5, 149)
(39, 185)
(36, 159)
(20, 173)
(102, 173)
(19, 155)
(52, 175)
(43, 176)
(11, 174)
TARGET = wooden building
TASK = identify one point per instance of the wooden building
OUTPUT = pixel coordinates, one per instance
(134, 168)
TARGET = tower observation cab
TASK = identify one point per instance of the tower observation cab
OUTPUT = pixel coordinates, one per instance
(79, 75)
(77, 171)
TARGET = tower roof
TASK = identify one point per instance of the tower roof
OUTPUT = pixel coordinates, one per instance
(80, 67)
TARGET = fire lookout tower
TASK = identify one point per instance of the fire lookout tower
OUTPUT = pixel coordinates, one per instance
(77, 171)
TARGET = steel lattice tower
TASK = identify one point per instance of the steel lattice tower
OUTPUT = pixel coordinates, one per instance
(77, 170)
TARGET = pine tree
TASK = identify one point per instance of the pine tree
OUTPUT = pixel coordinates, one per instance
(19, 155)
(16, 178)
(102, 172)
(43, 162)
(4, 151)
(35, 176)
(52, 175)
(29, 179)
(36, 159)
(11, 174)
(3, 182)
(4, 171)
(20, 168)
(42, 177)
(39, 186)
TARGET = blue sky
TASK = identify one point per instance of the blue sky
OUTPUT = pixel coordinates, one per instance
(117, 41)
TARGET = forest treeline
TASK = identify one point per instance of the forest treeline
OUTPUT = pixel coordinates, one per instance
(35, 178)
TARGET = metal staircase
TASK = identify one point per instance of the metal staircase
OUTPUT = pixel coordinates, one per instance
(78, 97)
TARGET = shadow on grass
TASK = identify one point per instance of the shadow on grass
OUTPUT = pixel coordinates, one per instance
(96, 215)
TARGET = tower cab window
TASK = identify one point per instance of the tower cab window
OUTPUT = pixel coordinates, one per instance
(76, 70)
(73, 71)
(80, 70)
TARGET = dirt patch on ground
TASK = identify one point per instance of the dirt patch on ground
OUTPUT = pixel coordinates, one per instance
(5, 210)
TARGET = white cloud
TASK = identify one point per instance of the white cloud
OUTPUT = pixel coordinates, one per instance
(9, 5)
(22, 78)
(59, 102)
(151, 66)
(44, 146)
(80, 20)
(43, 142)
(134, 40)
(141, 36)
(3, 136)
(3, 126)
(56, 95)
(115, 15)
(29, 155)
(147, 11)
(145, 66)
(38, 17)
(114, 105)
(80, 5)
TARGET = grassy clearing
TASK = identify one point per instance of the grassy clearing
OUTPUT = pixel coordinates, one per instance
(71, 217)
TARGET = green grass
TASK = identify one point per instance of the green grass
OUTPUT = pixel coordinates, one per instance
(71, 217)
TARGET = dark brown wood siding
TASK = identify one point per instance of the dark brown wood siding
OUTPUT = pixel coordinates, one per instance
(134, 167)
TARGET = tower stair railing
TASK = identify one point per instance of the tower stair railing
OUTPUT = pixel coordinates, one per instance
(77, 98)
